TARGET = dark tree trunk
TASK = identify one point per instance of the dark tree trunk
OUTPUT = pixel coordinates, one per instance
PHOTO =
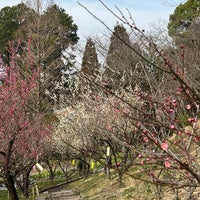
(26, 183)
(120, 175)
(83, 166)
(64, 169)
(23, 183)
(10, 184)
(50, 170)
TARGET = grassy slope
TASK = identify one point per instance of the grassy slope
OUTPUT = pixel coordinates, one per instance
(97, 187)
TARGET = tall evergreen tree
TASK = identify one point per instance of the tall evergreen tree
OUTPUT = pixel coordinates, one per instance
(183, 17)
(11, 19)
(90, 68)
(121, 60)
(184, 24)
(50, 32)
(90, 65)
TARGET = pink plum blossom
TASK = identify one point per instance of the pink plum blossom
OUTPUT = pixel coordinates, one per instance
(171, 111)
(172, 126)
(167, 164)
(146, 139)
(164, 146)
(188, 106)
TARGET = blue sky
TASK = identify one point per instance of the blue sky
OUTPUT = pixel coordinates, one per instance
(144, 12)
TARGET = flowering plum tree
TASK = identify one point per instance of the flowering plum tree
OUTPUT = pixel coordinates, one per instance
(22, 132)
(98, 123)
(166, 122)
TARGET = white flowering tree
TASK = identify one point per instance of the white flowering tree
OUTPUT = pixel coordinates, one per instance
(159, 127)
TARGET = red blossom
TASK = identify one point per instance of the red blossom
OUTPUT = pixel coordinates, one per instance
(138, 124)
(196, 138)
(175, 105)
(164, 146)
(171, 111)
(142, 162)
(146, 139)
(145, 131)
(191, 119)
(167, 164)
(174, 101)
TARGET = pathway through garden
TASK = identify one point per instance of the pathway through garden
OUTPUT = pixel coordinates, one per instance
(60, 193)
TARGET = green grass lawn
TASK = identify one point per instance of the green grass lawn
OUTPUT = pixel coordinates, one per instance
(42, 181)
(3, 195)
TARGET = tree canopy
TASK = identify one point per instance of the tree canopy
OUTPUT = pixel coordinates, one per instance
(22, 133)
(121, 60)
(184, 15)
(11, 19)
(90, 65)
(48, 33)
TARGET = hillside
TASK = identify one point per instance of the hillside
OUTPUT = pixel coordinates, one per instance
(96, 187)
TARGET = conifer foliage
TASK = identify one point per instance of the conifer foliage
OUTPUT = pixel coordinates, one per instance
(90, 64)
(119, 59)
(90, 68)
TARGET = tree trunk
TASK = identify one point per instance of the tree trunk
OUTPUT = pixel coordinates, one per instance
(120, 175)
(26, 183)
(50, 170)
(10, 185)
(108, 163)
(23, 183)
(83, 166)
